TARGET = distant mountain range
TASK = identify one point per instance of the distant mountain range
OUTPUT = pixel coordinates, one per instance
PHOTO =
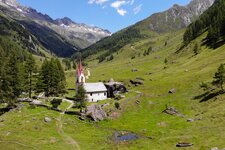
(175, 18)
(61, 36)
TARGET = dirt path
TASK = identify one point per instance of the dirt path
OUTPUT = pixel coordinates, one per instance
(66, 137)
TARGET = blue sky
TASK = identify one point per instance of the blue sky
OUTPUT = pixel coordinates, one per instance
(107, 14)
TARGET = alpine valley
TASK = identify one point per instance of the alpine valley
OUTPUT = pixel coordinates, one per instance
(158, 84)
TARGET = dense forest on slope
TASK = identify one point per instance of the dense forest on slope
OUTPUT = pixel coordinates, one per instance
(19, 74)
(50, 39)
(213, 21)
(16, 32)
(112, 44)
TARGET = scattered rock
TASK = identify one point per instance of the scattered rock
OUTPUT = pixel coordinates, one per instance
(186, 70)
(53, 140)
(140, 78)
(105, 105)
(34, 118)
(157, 57)
(96, 112)
(151, 137)
(36, 102)
(198, 119)
(184, 144)
(24, 100)
(190, 120)
(172, 111)
(162, 124)
(134, 70)
(47, 119)
(136, 82)
(138, 92)
(82, 118)
(2, 120)
(144, 130)
(137, 102)
(172, 91)
(215, 148)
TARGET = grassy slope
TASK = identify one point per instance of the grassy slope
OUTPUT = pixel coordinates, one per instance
(145, 119)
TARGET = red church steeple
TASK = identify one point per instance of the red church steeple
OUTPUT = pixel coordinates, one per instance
(80, 74)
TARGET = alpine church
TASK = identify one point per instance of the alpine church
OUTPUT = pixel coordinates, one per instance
(94, 91)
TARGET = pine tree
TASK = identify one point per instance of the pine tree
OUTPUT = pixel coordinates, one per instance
(13, 78)
(219, 78)
(80, 97)
(30, 68)
(42, 84)
(52, 79)
(62, 78)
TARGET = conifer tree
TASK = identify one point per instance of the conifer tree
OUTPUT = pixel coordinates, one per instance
(13, 78)
(30, 68)
(80, 97)
(219, 78)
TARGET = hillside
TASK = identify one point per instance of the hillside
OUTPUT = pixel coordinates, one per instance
(62, 37)
(175, 18)
(16, 33)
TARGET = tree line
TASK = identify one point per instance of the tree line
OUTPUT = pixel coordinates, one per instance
(213, 21)
(20, 76)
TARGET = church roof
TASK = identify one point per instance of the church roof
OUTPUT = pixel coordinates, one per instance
(94, 87)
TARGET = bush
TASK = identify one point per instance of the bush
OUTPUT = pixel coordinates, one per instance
(56, 102)
(117, 105)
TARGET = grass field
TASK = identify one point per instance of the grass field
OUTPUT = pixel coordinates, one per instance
(156, 130)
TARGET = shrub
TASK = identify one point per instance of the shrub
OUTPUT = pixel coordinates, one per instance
(56, 102)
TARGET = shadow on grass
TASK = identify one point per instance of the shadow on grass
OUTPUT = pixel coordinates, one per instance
(208, 95)
(5, 110)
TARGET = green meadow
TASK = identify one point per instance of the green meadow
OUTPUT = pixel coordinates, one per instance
(184, 71)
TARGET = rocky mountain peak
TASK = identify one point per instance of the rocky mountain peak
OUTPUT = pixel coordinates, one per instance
(12, 3)
(177, 16)
(66, 21)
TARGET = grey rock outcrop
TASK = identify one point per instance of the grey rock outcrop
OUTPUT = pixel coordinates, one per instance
(95, 112)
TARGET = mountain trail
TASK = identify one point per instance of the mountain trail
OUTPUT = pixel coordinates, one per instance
(59, 125)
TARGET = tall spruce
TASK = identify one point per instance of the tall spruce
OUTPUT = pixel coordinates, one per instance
(13, 78)
(30, 69)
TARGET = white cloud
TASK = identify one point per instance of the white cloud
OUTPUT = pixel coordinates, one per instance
(137, 9)
(122, 12)
(131, 2)
(97, 1)
(117, 5)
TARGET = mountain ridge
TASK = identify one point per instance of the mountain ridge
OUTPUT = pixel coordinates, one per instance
(73, 36)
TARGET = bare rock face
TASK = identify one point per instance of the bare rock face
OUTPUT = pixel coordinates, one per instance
(95, 112)
(177, 17)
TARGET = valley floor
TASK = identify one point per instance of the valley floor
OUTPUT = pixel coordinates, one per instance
(26, 129)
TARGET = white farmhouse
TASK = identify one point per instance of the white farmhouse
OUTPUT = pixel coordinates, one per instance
(94, 91)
